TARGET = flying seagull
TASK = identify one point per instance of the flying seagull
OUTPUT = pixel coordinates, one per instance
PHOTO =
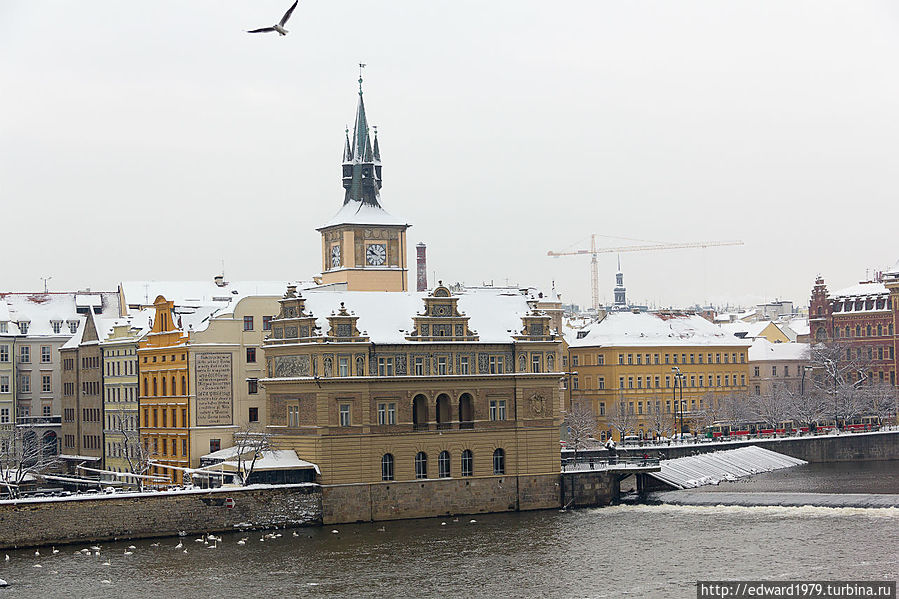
(279, 27)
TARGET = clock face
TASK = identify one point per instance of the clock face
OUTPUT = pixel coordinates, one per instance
(376, 254)
(335, 256)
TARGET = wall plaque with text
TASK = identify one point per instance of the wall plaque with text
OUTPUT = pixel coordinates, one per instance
(214, 397)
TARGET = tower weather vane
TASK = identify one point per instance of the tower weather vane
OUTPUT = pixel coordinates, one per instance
(361, 66)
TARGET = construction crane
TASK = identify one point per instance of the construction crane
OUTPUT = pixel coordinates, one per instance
(593, 251)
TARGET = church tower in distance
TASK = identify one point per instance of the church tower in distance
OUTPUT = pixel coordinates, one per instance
(363, 246)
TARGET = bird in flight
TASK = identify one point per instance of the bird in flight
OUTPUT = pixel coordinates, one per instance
(279, 27)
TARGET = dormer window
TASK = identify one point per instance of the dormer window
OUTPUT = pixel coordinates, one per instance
(56, 325)
(73, 326)
(23, 326)
(4, 327)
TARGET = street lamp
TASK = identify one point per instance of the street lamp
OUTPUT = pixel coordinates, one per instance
(679, 378)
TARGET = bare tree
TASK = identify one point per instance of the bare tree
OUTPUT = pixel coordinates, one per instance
(622, 418)
(709, 409)
(839, 371)
(881, 402)
(581, 423)
(771, 407)
(22, 456)
(660, 421)
(806, 406)
(138, 455)
(734, 409)
(250, 443)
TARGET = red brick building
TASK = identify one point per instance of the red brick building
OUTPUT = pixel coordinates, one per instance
(864, 316)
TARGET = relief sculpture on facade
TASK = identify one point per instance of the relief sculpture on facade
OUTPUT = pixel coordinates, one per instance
(287, 366)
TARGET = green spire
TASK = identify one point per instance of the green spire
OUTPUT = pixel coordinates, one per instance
(361, 161)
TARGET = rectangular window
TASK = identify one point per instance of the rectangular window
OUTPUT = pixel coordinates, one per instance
(253, 415)
(251, 355)
(4, 415)
(620, 359)
(419, 366)
(600, 359)
(252, 386)
(630, 358)
(497, 409)
(25, 354)
(45, 383)
(535, 363)
(492, 365)
(621, 382)
(184, 418)
(386, 413)
(658, 383)
(774, 371)
(184, 447)
(667, 382)
(344, 414)
(575, 360)
(25, 383)
(441, 365)
(639, 382)
(385, 366)
(574, 383)
(266, 323)
(248, 323)
(700, 358)
(214, 445)
(4, 353)
(639, 359)
(23, 327)
(630, 382)
(601, 382)
(293, 415)
(4, 384)
(45, 354)
(602, 408)
(463, 365)
(717, 358)
(343, 366)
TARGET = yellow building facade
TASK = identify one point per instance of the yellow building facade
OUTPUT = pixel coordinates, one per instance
(164, 393)
(636, 371)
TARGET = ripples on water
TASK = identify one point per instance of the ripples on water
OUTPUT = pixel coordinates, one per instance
(624, 551)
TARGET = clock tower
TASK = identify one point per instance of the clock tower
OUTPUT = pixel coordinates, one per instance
(364, 246)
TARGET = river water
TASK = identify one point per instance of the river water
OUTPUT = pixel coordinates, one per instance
(621, 551)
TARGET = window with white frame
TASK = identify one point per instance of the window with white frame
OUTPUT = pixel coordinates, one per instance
(25, 354)
(387, 413)
(25, 383)
(4, 353)
(385, 366)
(497, 409)
(46, 386)
(4, 415)
(344, 414)
(463, 365)
(56, 325)
(46, 354)
(4, 384)
(73, 326)
(293, 416)
(343, 366)
(419, 366)
(441, 365)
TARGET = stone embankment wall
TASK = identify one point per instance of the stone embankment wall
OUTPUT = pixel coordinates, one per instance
(136, 515)
(590, 488)
(427, 498)
(847, 447)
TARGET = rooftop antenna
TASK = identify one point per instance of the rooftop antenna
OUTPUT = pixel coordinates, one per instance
(45, 279)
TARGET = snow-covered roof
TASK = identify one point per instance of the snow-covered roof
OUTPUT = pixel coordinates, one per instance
(763, 350)
(747, 329)
(799, 326)
(360, 213)
(40, 310)
(863, 289)
(278, 459)
(386, 317)
(628, 329)
(202, 293)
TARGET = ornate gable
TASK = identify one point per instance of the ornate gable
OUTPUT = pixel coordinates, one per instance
(441, 319)
(536, 326)
(293, 324)
(342, 326)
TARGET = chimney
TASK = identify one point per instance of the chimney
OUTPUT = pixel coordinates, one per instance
(220, 280)
(422, 268)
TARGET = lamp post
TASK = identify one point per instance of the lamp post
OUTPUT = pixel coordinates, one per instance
(678, 381)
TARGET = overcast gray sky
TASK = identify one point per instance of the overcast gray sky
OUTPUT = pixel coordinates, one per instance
(153, 140)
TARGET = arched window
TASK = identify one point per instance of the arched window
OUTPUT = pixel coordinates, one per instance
(466, 411)
(443, 412)
(467, 463)
(183, 385)
(154, 386)
(499, 462)
(443, 465)
(848, 331)
(868, 330)
(174, 389)
(163, 387)
(858, 331)
(421, 465)
(387, 466)
(146, 388)
(420, 413)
